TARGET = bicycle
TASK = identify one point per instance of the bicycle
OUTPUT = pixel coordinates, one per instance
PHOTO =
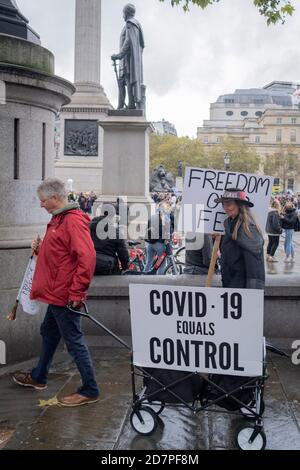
(137, 258)
(172, 267)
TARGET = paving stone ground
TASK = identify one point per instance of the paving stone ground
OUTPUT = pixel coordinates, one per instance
(105, 425)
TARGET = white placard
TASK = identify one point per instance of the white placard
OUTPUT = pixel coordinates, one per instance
(32, 307)
(202, 186)
(209, 330)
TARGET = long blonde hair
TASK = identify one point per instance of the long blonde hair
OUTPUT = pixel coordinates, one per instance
(245, 219)
(276, 205)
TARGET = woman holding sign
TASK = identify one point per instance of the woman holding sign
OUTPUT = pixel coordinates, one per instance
(242, 267)
(242, 256)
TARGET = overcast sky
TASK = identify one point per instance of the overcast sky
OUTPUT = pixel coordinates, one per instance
(190, 58)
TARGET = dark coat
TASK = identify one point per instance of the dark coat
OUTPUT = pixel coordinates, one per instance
(273, 225)
(242, 260)
(290, 219)
(200, 258)
(116, 249)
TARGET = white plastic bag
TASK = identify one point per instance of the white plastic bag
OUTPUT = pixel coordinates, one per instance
(32, 307)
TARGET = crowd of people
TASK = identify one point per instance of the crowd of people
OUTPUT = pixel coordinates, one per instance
(113, 258)
(283, 218)
(68, 258)
(84, 200)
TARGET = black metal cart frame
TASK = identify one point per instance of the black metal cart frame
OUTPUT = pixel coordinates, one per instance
(145, 408)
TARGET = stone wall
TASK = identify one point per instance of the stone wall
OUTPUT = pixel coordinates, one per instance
(108, 302)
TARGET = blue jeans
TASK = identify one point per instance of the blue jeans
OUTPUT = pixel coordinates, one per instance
(60, 323)
(288, 242)
(154, 249)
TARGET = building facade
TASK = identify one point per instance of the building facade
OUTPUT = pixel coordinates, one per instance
(164, 128)
(266, 119)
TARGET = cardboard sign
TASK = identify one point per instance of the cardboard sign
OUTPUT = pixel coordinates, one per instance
(201, 188)
(208, 330)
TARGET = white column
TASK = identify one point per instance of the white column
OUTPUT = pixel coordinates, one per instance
(88, 41)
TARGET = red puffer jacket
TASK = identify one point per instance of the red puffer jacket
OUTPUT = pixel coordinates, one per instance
(66, 260)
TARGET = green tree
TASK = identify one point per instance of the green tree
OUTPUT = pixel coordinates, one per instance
(167, 150)
(242, 157)
(275, 11)
(284, 164)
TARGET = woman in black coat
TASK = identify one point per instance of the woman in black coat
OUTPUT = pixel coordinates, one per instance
(273, 229)
(242, 256)
(242, 266)
(290, 222)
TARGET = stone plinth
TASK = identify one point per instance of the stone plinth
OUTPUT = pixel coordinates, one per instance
(89, 104)
(26, 54)
(126, 157)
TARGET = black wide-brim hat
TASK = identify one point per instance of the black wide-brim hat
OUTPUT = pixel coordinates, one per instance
(235, 195)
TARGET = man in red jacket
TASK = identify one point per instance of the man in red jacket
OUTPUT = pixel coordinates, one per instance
(65, 267)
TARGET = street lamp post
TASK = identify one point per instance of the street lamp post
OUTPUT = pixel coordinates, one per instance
(70, 184)
(227, 158)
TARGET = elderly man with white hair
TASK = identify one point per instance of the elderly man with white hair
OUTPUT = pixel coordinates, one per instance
(65, 266)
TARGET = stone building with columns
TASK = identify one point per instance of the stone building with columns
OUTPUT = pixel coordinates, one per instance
(266, 119)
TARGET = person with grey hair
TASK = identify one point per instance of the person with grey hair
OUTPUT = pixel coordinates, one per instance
(65, 266)
(131, 61)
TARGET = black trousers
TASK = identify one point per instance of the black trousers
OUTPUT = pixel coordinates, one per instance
(273, 244)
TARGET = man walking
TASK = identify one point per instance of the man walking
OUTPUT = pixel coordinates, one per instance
(65, 267)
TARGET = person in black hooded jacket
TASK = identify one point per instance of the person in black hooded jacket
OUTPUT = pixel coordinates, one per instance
(111, 251)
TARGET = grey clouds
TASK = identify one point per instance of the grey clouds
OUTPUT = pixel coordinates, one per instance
(190, 59)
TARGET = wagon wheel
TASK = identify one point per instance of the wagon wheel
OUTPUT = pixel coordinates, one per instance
(143, 420)
(244, 440)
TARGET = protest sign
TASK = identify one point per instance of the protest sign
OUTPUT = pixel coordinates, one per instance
(32, 307)
(208, 330)
(202, 186)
